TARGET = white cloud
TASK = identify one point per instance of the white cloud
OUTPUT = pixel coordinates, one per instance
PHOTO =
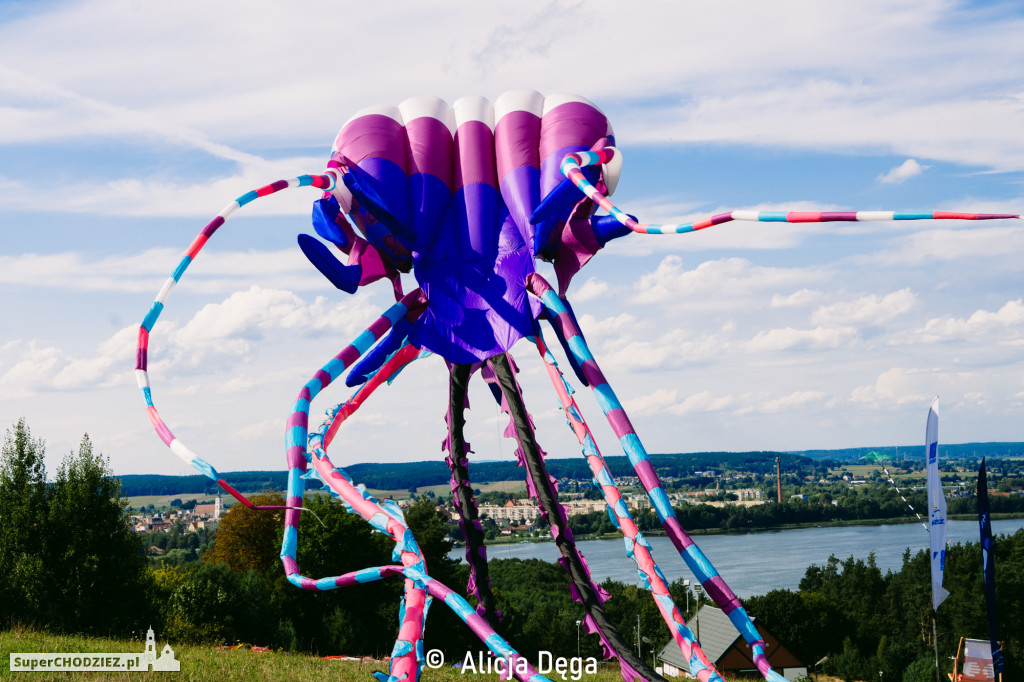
(717, 282)
(703, 402)
(799, 298)
(931, 244)
(793, 401)
(38, 368)
(675, 348)
(111, 365)
(902, 172)
(215, 272)
(653, 403)
(259, 430)
(598, 331)
(591, 289)
(33, 369)
(231, 325)
(896, 386)
(788, 338)
(664, 401)
(1010, 317)
(867, 310)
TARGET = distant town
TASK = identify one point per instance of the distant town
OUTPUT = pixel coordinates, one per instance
(714, 491)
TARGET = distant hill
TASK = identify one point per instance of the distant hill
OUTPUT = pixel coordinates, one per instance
(971, 452)
(405, 475)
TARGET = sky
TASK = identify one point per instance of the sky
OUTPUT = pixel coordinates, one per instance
(126, 125)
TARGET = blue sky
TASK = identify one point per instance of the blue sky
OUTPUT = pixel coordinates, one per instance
(125, 126)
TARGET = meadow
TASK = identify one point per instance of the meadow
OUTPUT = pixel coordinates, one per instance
(200, 663)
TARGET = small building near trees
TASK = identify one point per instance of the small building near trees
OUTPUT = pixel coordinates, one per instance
(727, 649)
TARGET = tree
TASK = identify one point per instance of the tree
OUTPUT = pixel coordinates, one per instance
(22, 516)
(249, 539)
(93, 559)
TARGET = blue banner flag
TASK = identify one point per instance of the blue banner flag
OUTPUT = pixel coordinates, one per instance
(988, 560)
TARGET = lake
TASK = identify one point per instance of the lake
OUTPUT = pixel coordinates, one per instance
(755, 563)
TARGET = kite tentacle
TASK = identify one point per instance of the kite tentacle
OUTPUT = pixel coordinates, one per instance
(407, 657)
(543, 489)
(572, 165)
(637, 547)
(388, 519)
(695, 559)
(479, 583)
(327, 181)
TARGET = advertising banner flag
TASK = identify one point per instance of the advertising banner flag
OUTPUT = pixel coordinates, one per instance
(936, 506)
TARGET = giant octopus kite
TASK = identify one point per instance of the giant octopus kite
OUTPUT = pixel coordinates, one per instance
(467, 197)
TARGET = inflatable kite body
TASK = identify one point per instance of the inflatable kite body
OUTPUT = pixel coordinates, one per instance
(467, 198)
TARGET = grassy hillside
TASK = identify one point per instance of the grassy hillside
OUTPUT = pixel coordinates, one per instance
(204, 663)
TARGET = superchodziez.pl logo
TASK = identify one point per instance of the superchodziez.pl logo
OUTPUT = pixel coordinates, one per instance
(147, 660)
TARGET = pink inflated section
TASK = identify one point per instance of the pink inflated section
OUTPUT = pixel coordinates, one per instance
(449, 189)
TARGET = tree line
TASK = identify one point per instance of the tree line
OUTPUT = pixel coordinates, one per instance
(404, 475)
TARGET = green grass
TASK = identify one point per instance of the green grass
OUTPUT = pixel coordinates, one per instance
(204, 663)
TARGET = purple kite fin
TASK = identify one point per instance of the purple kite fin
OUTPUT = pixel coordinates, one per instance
(345, 277)
(608, 227)
(555, 207)
(364, 187)
(325, 221)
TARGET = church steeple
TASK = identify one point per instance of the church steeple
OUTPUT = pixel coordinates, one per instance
(150, 655)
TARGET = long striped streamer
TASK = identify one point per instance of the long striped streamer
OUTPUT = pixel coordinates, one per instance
(571, 168)
(695, 559)
(637, 547)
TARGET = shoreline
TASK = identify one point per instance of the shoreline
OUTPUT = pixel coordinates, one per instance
(516, 540)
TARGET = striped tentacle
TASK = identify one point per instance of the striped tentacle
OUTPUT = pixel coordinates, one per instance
(571, 168)
(387, 517)
(407, 656)
(637, 547)
(695, 559)
(326, 182)
(499, 370)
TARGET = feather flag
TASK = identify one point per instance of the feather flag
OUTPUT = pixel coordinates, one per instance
(936, 507)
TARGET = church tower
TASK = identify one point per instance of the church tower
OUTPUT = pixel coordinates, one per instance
(150, 656)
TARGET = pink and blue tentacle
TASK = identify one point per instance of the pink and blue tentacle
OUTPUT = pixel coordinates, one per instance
(326, 181)
(573, 166)
(634, 449)
(386, 517)
(637, 547)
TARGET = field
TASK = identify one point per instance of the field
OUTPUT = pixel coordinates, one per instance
(164, 501)
(204, 663)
